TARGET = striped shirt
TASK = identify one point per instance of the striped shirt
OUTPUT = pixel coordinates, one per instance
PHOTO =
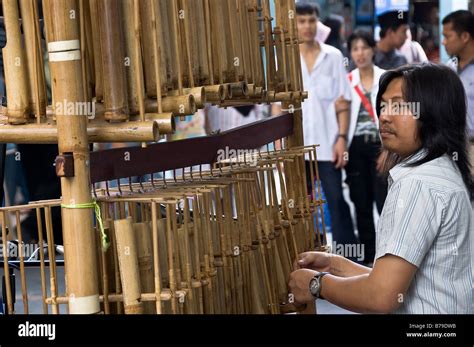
(427, 220)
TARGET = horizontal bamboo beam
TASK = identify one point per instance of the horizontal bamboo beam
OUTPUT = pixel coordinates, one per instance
(97, 132)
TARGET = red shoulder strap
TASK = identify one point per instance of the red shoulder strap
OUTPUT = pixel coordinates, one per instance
(367, 104)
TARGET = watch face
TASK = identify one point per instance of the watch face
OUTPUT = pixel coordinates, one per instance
(314, 286)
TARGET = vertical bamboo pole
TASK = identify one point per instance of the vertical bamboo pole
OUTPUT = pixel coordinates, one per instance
(78, 231)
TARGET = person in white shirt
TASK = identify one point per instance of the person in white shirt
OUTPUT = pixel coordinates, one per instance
(412, 50)
(425, 236)
(366, 184)
(326, 116)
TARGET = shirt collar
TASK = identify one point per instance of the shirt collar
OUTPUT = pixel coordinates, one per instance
(402, 168)
(322, 54)
(465, 66)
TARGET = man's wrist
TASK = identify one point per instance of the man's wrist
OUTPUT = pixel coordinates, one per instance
(342, 136)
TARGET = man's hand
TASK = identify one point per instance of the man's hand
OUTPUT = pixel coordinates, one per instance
(298, 285)
(340, 153)
(318, 261)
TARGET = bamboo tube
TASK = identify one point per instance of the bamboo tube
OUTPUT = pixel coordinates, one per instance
(53, 282)
(34, 59)
(96, 132)
(179, 105)
(66, 76)
(156, 251)
(95, 16)
(171, 257)
(166, 122)
(215, 93)
(6, 269)
(16, 67)
(24, 293)
(129, 268)
(145, 261)
(41, 255)
(199, 94)
(131, 64)
(156, 21)
(149, 51)
(198, 41)
(111, 41)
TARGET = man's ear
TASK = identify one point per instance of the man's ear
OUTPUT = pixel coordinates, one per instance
(466, 37)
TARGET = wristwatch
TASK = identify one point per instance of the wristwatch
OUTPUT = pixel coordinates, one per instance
(315, 284)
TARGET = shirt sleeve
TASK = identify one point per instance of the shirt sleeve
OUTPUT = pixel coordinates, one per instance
(410, 222)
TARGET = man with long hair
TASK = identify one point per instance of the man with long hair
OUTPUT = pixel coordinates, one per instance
(425, 235)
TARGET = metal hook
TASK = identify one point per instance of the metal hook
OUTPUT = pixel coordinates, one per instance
(164, 179)
(184, 175)
(119, 188)
(107, 188)
(142, 189)
(153, 181)
(174, 176)
(130, 185)
(191, 173)
(95, 192)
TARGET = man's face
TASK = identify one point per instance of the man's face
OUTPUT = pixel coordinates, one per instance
(398, 126)
(307, 27)
(453, 42)
(399, 36)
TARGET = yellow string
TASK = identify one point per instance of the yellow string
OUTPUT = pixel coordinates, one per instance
(104, 238)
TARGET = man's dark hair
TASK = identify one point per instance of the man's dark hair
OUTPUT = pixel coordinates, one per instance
(305, 7)
(462, 21)
(392, 20)
(363, 35)
(443, 114)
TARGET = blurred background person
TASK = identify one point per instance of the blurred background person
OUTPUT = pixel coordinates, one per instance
(458, 32)
(326, 116)
(393, 34)
(413, 51)
(366, 185)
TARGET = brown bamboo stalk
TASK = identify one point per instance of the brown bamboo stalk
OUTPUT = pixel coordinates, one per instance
(145, 261)
(41, 255)
(95, 16)
(147, 131)
(111, 41)
(6, 269)
(24, 292)
(16, 67)
(129, 268)
(34, 58)
(66, 76)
